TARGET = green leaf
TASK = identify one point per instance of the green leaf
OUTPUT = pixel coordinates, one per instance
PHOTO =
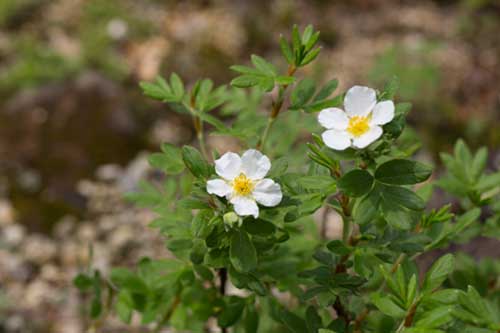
(312, 41)
(242, 252)
(95, 307)
(278, 167)
(391, 283)
(179, 244)
(245, 70)
(266, 83)
(286, 50)
(202, 96)
(395, 195)
(307, 34)
(356, 183)
(479, 163)
(170, 161)
(125, 279)
(259, 227)
(263, 65)
(476, 309)
(204, 272)
(338, 247)
(465, 220)
(445, 296)
(366, 209)
(387, 306)
(232, 311)
(83, 282)
(177, 86)
(245, 81)
(397, 217)
(296, 40)
(251, 321)
(327, 90)
(488, 182)
(390, 89)
(313, 320)
(124, 306)
(424, 330)
(310, 56)
(198, 251)
(412, 290)
(159, 90)
(303, 92)
(195, 162)
(285, 80)
(402, 172)
(317, 183)
(293, 322)
(438, 273)
(436, 317)
(402, 109)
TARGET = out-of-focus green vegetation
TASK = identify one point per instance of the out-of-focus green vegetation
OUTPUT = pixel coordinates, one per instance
(35, 64)
(419, 77)
(100, 29)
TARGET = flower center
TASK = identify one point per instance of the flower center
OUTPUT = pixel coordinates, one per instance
(242, 185)
(358, 125)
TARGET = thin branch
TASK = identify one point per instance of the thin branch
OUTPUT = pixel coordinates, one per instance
(168, 314)
(222, 288)
(275, 110)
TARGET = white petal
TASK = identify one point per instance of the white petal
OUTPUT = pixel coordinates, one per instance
(333, 118)
(364, 140)
(218, 187)
(359, 101)
(244, 206)
(338, 140)
(228, 166)
(254, 164)
(267, 193)
(383, 113)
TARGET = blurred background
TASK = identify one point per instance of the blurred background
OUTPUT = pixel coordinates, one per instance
(75, 128)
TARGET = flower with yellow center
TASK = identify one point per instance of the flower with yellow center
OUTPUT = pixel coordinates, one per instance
(243, 184)
(360, 124)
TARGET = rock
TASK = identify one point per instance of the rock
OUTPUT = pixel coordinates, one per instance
(134, 173)
(7, 213)
(39, 249)
(109, 172)
(13, 234)
(171, 130)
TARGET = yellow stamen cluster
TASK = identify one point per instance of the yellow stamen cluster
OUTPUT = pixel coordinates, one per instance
(243, 185)
(358, 125)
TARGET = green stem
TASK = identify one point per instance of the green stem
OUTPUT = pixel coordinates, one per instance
(408, 320)
(346, 229)
(201, 141)
(198, 127)
(276, 108)
(222, 289)
(97, 324)
(168, 314)
(265, 134)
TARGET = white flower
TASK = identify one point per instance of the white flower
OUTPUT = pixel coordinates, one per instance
(242, 182)
(359, 125)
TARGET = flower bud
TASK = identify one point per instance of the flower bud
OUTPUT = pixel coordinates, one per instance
(232, 219)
